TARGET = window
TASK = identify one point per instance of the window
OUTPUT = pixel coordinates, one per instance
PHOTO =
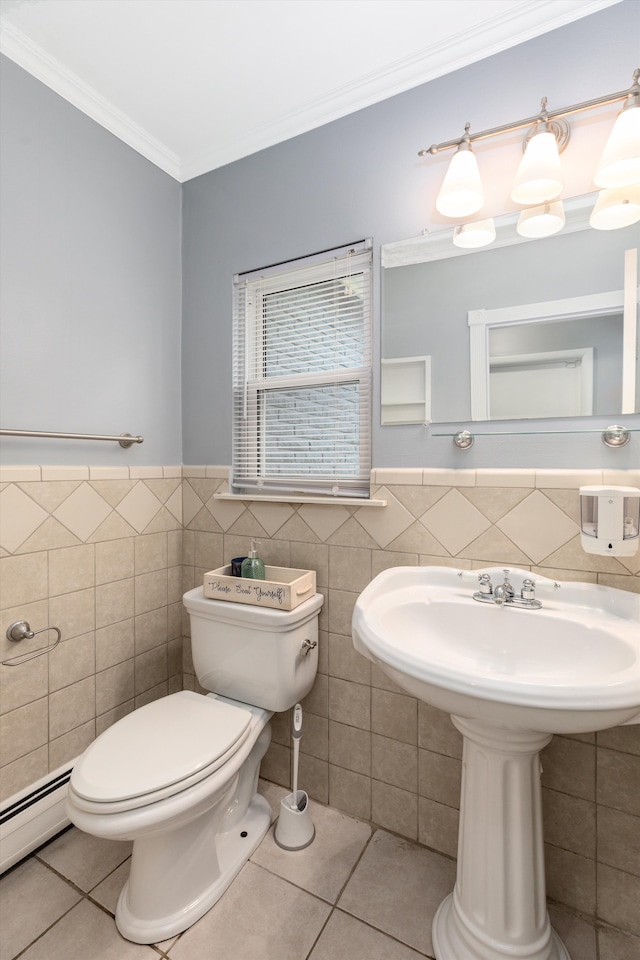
(302, 376)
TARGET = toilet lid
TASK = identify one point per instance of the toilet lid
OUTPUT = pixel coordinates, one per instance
(160, 744)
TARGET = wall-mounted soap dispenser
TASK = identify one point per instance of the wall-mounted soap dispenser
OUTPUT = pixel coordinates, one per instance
(610, 520)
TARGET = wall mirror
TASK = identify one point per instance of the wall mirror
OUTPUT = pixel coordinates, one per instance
(523, 328)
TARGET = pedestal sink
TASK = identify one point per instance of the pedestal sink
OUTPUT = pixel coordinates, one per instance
(510, 676)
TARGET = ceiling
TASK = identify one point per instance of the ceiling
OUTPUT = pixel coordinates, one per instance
(195, 84)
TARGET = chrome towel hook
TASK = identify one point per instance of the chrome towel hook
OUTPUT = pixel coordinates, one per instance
(20, 630)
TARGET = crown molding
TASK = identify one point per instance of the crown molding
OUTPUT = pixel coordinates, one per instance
(36, 61)
(436, 60)
(467, 46)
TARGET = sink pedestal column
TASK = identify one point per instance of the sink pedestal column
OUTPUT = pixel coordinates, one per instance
(498, 908)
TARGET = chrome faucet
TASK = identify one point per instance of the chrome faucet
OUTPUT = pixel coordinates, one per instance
(504, 593)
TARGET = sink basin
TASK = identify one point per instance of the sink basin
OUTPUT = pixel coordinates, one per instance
(510, 675)
(572, 666)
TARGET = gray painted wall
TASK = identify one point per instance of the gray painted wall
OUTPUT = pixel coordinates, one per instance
(90, 246)
(90, 324)
(360, 176)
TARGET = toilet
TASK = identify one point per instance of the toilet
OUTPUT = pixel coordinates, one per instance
(179, 776)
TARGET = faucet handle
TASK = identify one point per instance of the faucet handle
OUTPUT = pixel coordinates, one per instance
(528, 590)
(486, 587)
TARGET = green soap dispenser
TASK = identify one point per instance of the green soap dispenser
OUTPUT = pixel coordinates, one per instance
(253, 566)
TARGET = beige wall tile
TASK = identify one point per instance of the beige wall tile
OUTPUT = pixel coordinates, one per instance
(151, 629)
(114, 560)
(350, 703)
(619, 781)
(72, 660)
(209, 551)
(150, 669)
(350, 748)
(150, 591)
(394, 809)
(341, 606)
(571, 879)
(314, 777)
(276, 765)
(312, 556)
(23, 772)
(615, 945)
(157, 692)
(315, 740)
(23, 685)
(71, 745)
(71, 569)
(317, 700)
(23, 731)
(174, 661)
(350, 792)
(23, 579)
(74, 613)
(437, 733)
(151, 552)
(114, 687)
(72, 706)
(438, 826)
(349, 565)
(619, 840)
(439, 778)
(570, 767)
(394, 715)
(107, 719)
(114, 602)
(624, 739)
(618, 899)
(569, 822)
(15, 474)
(345, 662)
(114, 644)
(394, 763)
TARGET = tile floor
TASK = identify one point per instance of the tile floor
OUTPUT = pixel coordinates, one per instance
(353, 892)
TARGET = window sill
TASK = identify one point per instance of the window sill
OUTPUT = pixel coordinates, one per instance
(329, 501)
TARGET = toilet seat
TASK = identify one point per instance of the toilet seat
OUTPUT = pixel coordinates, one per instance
(158, 750)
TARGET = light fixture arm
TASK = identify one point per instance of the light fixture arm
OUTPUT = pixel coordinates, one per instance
(630, 95)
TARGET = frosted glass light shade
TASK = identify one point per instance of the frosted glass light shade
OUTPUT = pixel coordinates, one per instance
(539, 177)
(616, 207)
(478, 234)
(461, 194)
(619, 165)
(542, 221)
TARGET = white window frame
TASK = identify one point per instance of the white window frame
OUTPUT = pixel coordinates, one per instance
(250, 383)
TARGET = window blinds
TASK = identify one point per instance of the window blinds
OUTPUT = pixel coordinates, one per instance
(302, 376)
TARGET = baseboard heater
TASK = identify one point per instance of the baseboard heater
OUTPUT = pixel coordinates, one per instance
(33, 816)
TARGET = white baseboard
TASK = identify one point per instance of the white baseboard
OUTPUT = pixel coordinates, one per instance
(33, 816)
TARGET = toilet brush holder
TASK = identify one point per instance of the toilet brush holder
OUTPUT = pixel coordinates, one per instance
(294, 829)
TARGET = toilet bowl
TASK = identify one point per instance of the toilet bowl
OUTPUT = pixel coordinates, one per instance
(179, 776)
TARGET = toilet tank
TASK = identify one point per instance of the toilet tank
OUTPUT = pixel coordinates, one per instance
(254, 654)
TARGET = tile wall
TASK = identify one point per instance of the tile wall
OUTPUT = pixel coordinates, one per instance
(96, 552)
(106, 553)
(374, 752)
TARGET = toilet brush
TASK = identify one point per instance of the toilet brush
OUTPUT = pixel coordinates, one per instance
(294, 829)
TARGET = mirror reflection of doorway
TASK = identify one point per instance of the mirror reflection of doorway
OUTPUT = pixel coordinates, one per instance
(552, 384)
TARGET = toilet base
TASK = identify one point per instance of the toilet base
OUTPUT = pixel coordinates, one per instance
(233, 849)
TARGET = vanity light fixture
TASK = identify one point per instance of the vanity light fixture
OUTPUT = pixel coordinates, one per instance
(541, 221)
(619, 164)
(461, 194)
(479, 233)
(539, 177)
(616, 207)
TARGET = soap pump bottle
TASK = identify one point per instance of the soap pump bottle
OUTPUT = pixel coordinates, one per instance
(253, 566)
